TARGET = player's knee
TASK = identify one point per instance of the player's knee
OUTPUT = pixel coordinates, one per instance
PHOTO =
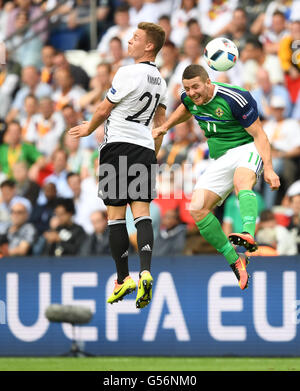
(243, 183)
(198, 210)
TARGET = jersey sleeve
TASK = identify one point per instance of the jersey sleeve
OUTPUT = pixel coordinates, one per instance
(244, 108)
(122, 85)
(163, 99)
(182, 98)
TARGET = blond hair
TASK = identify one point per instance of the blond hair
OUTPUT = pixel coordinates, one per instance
(155, 34)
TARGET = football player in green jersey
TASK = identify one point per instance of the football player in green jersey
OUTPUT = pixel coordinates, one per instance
(240, 150)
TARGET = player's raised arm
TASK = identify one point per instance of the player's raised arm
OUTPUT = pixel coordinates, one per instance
(88, 127)
(181, 114)
(264, 149)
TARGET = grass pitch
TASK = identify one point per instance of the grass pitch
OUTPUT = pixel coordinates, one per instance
(149, 364)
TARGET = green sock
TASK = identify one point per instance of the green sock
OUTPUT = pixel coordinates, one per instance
(211, 230)
(248, 210)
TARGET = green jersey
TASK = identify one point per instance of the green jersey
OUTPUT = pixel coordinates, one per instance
(25, 152)
(224, 118)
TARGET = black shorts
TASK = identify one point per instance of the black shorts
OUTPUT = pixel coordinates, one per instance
(127, 173)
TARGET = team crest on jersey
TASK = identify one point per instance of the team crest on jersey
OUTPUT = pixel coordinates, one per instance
(219, 112)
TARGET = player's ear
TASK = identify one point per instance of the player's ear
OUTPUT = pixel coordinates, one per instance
(150, 46)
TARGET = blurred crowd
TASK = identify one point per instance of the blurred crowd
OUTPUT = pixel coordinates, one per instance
(52, 79)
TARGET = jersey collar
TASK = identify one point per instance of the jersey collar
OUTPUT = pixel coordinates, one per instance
(215, 93)
(148, 63)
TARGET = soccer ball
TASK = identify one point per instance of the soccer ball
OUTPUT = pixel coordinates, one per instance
(221, 54)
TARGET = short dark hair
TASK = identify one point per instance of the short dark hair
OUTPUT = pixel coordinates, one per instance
(70, 174)
(279, 13)
(192, 21)
(67, 204)
(155, 33)
(8, 183)
(122, 8)
(116, 39)
(241, 9)
(164, 17)
(195, 70)
(254, 42)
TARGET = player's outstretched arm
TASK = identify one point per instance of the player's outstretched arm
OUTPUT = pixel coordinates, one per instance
(100, 115)
(181, 114)
(158, 120)
(264, 149)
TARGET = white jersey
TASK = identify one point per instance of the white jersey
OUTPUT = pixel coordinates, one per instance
(137, 90)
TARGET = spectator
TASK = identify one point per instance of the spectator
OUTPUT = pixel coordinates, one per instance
(165, 22)
(255, 10)
(26, 46)
(254, 57)
(14, 150)
(179, 21)
(98, 242)
(170, 57)
(25, 187)
(9, 80)
(78, 74)
(33, 12)
(195, 31)
(284, 137)
(21, 234)
(85, 202)
(65, 237)
(99, 85)
(31, 108)
(66, 91)
(265, 91)
(290, 58)
(294, 226)
(32, 85)
(80, 20)
(283, 6)
(176, 151)
(47, 72)
(271, 236)
(116, 55)
(8, 195)
(215, 14)
(78, 158)
(171, 239)
(121, 29)
(140, 11)
(59, 176)
(42, 214)
(238, 28)
(271, 37)
(46, 127)
(5, 9)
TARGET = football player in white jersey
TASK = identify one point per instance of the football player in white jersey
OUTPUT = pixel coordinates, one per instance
(135, 101)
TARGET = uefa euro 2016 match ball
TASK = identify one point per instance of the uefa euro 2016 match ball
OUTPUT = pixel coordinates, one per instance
(221, 54)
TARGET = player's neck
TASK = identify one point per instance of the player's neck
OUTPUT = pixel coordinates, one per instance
(145, 58)
(211, 93)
